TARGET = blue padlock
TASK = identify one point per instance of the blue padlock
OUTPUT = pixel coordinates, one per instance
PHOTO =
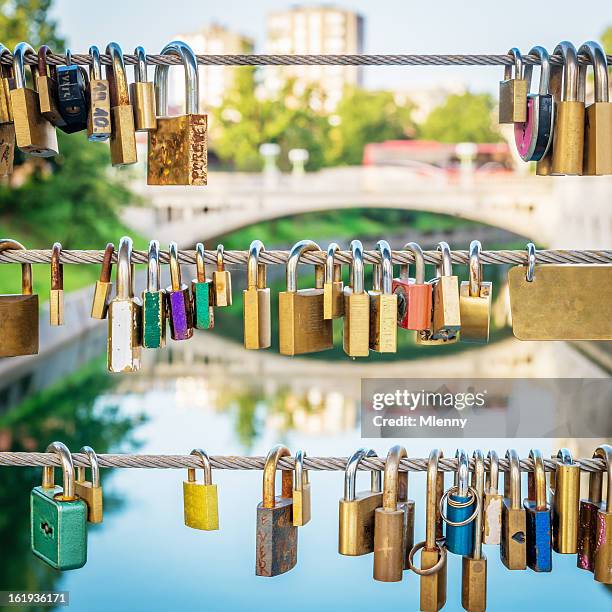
(461, 510)
(539, 518)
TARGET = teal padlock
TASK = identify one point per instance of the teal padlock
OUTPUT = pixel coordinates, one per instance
(153, 303)
(58, 518)
(203, 314)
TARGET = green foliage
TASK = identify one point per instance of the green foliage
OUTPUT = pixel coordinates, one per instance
(606, 39)
(462, 118)
(28, 20)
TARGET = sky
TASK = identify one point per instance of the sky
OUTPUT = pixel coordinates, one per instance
(391, 26)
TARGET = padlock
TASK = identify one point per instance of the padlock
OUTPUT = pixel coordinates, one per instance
(72, 95)
(124, 316)
(598, 124)
(200, 499)
(356, 332)
(533, 137)
(142, 93)
(276, 536)
(446, 313)
(7, 80)
(153, 302)
(474, 565)
(99, 127)
(56, 295)
(58, 518)
(178, 148)
(7, 148)
(603, 541)
(7, 127)
(356, 510)
(587, 521)
(393, 523)
(383, 303)
(33, 133)
(492, 507)
(414, 295)
(256, 300)
(46, 85)
(333, 287)
(513, 551)
(513, 91)
(433, 555)
(104, 287)
(90, 491)
(462, 509)
(538, 518)
(565, 499)
(123, 134)
(222, 282)
(568, 134)
(201, 292)
(475, 300)
(301, 492)
(19, 313)
(555, 88)
(178, 305)
(302, 328)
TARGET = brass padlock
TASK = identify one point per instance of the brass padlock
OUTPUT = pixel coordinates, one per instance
(104, 287)
(302, 328)
(33, 133)
(333, 287)
(356, 511)
(7, 127)
(603, 542)
(383, 304)
(301, 492)
(56, 296)
(19, 313)
(492, 507)
(123, 135)
(356, 332)
(568, 135)
(143, 95)
(433, 556)
(256, 300)
(124, 316)
(6, 81)
(46, 85)
(565, 499)
(200, 499)
(178, 148)
(475, 300)
(222, 282)
(513, 549)
(202, 293)
(598, 124)
(513, 91)
(90, 491)
(99, 128)
(587, 521)
(393, 523)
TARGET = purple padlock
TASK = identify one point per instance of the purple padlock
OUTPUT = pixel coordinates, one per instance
(178, 300)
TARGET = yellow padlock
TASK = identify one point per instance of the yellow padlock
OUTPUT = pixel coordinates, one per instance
(200, 499)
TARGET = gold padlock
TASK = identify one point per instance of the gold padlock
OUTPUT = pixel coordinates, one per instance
(123, 135)
(256, 300)
(200, 499)
(333, 287)
(383, 304)
(99, 128)
(301, 492)
(19, 313)
(7, 127)
(33, 133)
(492, 505)
(6, 79)
(513, 92)
(56, 296)
(143, 95)
(222, 282)
(565, 489)
(46, 84)
(104, 286)
(90, 491)
(475, 300)
(356, 332)
(178, 148)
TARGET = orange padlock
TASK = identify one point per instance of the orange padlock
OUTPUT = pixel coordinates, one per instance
(414, 295)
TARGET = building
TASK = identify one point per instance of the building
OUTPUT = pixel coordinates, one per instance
(214, 39)
(315, 30)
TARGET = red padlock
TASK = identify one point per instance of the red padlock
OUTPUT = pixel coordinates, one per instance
(414, 295)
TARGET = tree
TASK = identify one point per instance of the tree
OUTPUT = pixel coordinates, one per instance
(462, 118)
(28, 20)
(606, 39)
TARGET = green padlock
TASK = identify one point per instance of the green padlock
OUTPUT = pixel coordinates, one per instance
(203, 314)
(58, 517)
(153, 303)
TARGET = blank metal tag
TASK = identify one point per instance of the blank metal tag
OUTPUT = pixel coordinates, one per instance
(563, 302)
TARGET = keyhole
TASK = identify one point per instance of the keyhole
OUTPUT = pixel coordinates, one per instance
(519, 537)
(46, 529)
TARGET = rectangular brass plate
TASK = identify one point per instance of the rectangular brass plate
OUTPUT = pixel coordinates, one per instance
(563, 302)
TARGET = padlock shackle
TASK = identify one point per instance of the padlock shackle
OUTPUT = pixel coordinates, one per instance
(462, 474)
(605, 452)
(60, 449)
(43, 68)
(220, 259)
(431, 509)
(205, 459)
(4, 68)
(478, 483)
(571, 70)
(200, 263)
(383, 271)
(26, 268)
(57, 269)
(95, 66)
(537, 480)
(298, 249)
(350, 473)
(176, 281)
(21, 50)
(518, 65)
(595, 484)
(492, 479)
(357, 271)
(153, 267)
(107, 263)
(419, 264)
(391, 483)
(301, 474)
(256, 272)
(95, 467)
(125, 287)
(512, 479)
(475, 268)
(117, 77)
(446, 269)
(333, 271)
(192, 87)
(544, 84)
(564, 457)
(140, 67)
(597, 56)
(269, 476)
